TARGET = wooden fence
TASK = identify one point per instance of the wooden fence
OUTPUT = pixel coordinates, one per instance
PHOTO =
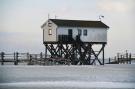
(31, 59)
(122, 58)
(42, 59)
(16, 57)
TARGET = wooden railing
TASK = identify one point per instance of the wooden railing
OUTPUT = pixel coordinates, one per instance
(122, 58)
(17, 58)
(65, 38)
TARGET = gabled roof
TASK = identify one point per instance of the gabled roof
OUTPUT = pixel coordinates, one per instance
(79, 23)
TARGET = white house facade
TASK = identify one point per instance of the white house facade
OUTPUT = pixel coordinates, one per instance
(88, 31)
(91, 34)
(49, 31)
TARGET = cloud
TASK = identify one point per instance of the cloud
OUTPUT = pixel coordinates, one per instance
(116, 5)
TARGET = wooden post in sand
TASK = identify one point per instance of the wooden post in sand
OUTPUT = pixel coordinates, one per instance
(2, 58)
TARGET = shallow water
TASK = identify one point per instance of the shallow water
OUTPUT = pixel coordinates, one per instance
(67, 77)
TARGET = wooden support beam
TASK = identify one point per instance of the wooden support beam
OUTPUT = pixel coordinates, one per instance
(103, 55)
(90, 53)
(77, 52)
(96, 55)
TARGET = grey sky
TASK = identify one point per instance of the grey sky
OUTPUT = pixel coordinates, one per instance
(20, 22)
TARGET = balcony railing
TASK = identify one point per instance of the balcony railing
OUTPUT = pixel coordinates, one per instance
(65, 38)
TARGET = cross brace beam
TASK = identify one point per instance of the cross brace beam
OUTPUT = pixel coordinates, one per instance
(78, 53)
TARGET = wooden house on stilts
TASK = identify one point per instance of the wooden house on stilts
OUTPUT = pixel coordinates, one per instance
(74, 40)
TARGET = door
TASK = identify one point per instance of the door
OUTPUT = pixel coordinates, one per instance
(70, 32)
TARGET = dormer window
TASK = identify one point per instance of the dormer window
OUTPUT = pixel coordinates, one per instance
(49, 24)
(50, 31)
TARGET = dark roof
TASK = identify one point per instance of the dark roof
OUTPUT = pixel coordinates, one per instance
(79, 23)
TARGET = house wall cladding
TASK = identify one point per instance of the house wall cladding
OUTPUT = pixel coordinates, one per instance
(93, 34)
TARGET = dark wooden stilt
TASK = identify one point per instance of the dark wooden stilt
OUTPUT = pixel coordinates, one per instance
(103, 56)
(45, 53)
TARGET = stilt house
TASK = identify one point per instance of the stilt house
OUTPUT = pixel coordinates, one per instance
(75, 32)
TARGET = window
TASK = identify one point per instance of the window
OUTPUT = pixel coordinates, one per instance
(79, 32)
(49, 24)
(50, 31)
(85, 32)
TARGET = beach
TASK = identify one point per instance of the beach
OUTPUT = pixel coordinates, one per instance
(120, 76)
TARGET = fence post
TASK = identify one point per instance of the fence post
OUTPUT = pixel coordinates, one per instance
(115, 59)
(41, 57)
(2, 58)
(36, 59)
(121, 59)
(118, 58)
(109, 60)
(127, 59)
(130, 58)
(16, 58)
(28, 57)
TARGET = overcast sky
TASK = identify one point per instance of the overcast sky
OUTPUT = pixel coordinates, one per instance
(21, 20)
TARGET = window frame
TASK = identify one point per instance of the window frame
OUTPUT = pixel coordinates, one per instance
(49, 24)
(49, 31)
(85, 32)
(80, 32)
